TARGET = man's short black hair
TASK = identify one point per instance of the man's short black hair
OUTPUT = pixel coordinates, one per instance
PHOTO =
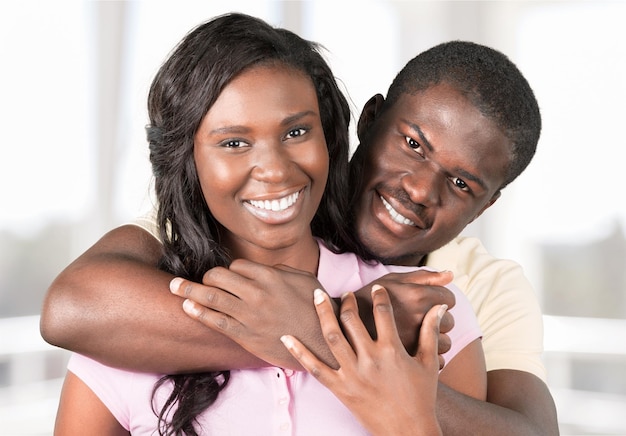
(490, 81)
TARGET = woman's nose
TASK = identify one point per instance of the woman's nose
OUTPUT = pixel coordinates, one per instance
(272, 163)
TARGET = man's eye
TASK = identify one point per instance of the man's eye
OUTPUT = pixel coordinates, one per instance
(459, 183)
(414, 145)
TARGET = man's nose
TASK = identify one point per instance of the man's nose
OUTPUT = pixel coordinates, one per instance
(423, 186)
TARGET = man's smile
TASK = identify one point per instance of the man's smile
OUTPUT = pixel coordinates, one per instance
(395, 215)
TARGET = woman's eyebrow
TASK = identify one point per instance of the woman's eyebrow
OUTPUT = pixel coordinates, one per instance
(295, 117)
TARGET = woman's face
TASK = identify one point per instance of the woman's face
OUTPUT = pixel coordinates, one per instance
(262, 160)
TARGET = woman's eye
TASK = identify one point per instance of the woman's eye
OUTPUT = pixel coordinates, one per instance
(233, 143)
(459, 183)
(295, 133)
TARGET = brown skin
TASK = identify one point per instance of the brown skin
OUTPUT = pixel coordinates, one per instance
(522, 404)
(443, 167)
(93, 292)
(78, 400)
(437, 161)
(408, 379)
(518, 403)
(260, 142)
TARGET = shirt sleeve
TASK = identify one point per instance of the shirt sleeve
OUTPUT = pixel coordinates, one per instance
(148, 223)
(504, 302)
(511, 319)
(466, 328)
(110, 385)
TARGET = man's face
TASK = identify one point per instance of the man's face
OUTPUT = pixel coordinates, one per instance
(433, 163)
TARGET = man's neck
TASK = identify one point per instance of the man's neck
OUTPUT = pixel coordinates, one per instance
(409, 260)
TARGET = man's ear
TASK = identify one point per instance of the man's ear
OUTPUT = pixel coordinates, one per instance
(370, 112)
(489, 204)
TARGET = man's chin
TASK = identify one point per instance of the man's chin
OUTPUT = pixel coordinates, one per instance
(392, 257)
(407, 260)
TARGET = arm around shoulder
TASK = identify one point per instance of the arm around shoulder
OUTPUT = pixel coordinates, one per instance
(114, 305)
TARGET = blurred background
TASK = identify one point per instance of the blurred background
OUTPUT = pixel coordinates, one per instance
(73, 86)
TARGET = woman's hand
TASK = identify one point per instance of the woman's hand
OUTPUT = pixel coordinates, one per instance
(254, 304)
(389, 391)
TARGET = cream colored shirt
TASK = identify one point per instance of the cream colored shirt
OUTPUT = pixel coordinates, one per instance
(505, 303)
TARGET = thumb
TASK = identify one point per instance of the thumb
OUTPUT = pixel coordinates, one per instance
(428, 343)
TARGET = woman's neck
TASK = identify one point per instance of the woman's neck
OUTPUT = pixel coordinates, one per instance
(302, 254)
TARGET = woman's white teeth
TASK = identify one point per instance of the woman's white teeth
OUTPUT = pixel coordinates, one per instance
(276, 205)
(395, 216)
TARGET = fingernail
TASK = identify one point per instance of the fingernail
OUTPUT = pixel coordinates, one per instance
(376, 287)
(190, 307)
(442, 310)
(318, 296)
(175, 284)
(287, 341)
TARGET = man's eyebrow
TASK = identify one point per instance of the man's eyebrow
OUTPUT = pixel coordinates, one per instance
(463, 173)
(468, 176)
(419, 132)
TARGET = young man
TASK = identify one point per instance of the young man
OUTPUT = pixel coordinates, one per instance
(458, 124)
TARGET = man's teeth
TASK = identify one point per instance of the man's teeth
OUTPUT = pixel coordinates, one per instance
(276, 205)
(395, 216)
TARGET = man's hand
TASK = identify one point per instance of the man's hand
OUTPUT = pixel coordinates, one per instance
(254, 305)
(412, 295)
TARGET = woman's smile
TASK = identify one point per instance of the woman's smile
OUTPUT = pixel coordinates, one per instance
(275, 210)
(262, 161)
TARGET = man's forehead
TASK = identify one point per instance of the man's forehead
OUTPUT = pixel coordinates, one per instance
(455, 132)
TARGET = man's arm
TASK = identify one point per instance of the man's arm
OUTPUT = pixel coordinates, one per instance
(509, 315)
(114, 305)
(256, 304)
(519, 403)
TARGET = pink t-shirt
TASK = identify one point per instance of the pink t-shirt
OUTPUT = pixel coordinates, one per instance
(267, 401)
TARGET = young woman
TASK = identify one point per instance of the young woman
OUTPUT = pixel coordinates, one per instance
(249, 146)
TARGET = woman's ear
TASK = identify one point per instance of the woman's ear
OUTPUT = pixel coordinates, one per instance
(370, 112)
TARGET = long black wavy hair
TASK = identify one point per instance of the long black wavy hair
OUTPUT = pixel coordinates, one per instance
(183, 91)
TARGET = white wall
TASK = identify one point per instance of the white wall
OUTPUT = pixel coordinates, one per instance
(75, 75)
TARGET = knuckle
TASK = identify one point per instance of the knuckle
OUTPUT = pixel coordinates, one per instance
(237, 263)
(187, 289)
(221, 322)
(210, 297)
(346, 316)
(213, 274)
(315, 371)
(333, 337)
(383, 307)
